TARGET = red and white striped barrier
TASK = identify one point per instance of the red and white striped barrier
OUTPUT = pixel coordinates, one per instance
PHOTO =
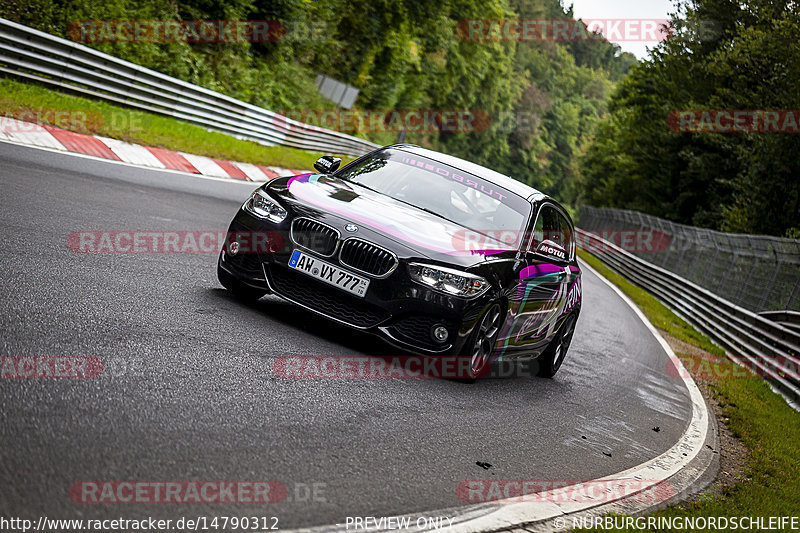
(145, 156)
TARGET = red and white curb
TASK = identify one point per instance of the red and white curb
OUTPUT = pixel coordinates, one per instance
(147, 156)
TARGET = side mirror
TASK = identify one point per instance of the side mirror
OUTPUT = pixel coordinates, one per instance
(552, 250)
(327, 164)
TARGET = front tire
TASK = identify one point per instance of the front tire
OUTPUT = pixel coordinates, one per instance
(553, 356)
(480, 347)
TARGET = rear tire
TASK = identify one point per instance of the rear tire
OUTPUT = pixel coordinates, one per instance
(553, 356)
(242, 292)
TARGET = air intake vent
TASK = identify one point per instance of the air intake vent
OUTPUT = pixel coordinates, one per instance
(322, 298)
(367, 258)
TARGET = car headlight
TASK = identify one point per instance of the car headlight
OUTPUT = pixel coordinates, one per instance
(261, 205)
(447, 280)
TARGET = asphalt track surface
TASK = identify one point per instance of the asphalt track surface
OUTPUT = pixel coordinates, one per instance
(188, 390)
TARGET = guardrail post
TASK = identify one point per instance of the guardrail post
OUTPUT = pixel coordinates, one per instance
(793, 296)
(713, 260)
(671, 234)
(739, 295)
(690, 240)
(768, 290)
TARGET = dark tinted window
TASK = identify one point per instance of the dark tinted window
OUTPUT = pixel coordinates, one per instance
(552, 226)
(567, 235)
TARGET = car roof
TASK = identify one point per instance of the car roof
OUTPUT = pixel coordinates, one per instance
(507, 182)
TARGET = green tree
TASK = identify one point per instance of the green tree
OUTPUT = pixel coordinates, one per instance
(726, 55)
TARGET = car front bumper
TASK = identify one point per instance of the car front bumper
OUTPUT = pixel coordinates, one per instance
(396, 308)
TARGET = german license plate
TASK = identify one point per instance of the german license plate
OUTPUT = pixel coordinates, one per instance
(330, 274)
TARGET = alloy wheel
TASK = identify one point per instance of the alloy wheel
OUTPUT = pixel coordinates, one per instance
(485, 340)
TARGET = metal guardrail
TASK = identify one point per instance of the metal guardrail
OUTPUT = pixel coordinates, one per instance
(35, 55)
(757, 272)
(789, 319)
(766, 347)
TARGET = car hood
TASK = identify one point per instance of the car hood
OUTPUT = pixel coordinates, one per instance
(427, 234)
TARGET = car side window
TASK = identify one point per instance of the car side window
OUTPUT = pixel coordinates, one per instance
(567, 236)
(546, 227)
(552, 226)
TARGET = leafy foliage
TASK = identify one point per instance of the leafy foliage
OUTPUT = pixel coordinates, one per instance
(543, 98)
(727, 55)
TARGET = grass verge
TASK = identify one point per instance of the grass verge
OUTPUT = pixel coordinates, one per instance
(758, 417)
(34, 103)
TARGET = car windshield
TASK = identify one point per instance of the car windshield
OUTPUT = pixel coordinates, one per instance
(458, 196)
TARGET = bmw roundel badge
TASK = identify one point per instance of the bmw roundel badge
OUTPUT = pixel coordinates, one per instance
(352, 228)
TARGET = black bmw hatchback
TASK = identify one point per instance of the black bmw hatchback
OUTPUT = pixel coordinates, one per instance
(435, 254)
